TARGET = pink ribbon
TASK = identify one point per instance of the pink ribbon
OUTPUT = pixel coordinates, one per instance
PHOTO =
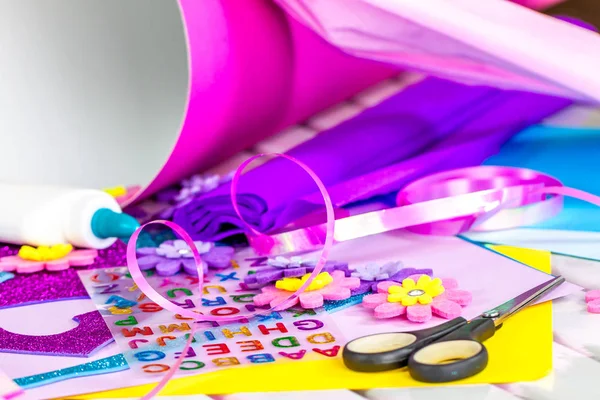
(446, 203)
(144, 286)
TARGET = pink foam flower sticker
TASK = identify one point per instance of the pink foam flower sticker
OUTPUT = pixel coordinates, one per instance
(419, 298)
(592, 298)
(334, 286)
(51, 258)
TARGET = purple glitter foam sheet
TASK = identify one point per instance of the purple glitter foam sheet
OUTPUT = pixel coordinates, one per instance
(90, 335)
(45, 286)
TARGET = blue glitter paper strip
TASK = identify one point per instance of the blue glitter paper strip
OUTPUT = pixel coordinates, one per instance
(107, 365)
(4, 276)
(338, 305)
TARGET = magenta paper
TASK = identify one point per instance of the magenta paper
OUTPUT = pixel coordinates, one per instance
(253, 71)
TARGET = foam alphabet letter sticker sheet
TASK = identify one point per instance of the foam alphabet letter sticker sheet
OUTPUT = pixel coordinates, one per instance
(152, 338)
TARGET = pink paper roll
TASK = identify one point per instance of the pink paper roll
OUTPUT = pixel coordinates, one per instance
(253, 71)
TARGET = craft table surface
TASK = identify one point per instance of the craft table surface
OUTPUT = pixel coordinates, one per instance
(576, 333)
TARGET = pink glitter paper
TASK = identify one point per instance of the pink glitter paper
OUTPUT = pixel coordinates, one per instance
(47, 286)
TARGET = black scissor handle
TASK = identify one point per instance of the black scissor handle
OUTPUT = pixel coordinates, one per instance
(456, 356)
(387, 351)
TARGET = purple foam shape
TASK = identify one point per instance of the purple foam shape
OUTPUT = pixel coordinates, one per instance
(295, 272)
(363, 288)
(168, 267)
(147, 258)
(263, 277)
(219, 257)
(266, 275)
(90, 335)
(173, 255)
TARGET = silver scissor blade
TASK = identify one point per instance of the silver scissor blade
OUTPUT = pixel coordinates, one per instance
(504, 311)
(587, 11)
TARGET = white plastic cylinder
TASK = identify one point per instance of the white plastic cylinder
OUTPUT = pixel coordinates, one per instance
(50, 215)
(93, 92)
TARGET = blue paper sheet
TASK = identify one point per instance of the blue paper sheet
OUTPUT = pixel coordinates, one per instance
(570, 154)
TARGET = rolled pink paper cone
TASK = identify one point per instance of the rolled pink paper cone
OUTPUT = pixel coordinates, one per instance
(277, 73)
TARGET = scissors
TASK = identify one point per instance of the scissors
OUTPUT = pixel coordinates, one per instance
(445, 353)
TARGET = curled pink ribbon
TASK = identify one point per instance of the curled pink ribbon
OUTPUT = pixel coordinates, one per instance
(144, 286)
(446, 203)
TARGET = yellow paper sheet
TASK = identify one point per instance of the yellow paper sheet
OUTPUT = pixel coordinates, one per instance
(520, 351)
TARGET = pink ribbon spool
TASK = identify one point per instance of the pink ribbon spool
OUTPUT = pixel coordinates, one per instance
(446, 203)
(524, 206)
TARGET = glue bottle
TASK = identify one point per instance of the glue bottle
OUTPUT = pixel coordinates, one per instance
(50, 215)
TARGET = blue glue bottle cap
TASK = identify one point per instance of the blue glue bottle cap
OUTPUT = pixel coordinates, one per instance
(107, 223)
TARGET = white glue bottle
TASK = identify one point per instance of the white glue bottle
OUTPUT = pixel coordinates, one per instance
(50, 215)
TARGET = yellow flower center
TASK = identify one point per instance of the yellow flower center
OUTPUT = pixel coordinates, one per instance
(410, 292)
(45, 253)
(116, 191)
(293, 284)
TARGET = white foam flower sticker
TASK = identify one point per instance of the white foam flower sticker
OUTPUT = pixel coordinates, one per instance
(284, 262)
